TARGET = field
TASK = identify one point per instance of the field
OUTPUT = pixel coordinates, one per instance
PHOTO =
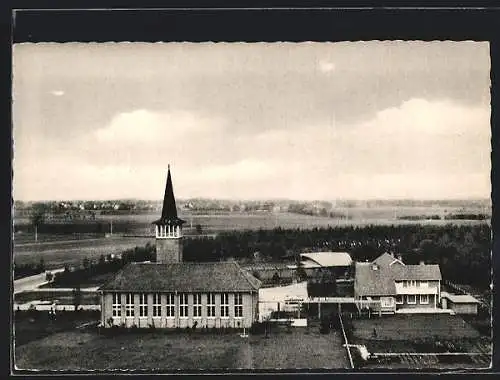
(88, 350)
(414, 326)
(57, 254)
(404, 337)
(223, 221)
(30, 327)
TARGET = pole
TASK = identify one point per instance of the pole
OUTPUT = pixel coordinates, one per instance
(36, 233)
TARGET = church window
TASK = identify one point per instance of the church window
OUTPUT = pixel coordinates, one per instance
(196, 305)
(238, 305)
(117, 306)
(183, 308)
(129, 305)
(156, 305)
(224, 305)
(211, 305)
(170, 305)
(143, 305)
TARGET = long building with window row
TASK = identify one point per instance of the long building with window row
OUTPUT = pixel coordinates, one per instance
(181, 295)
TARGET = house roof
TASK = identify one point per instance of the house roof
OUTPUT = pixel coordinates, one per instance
(182, 277)
(370, 282)
(459, 298)
(327, 259)
(417, 272)
(387, 259)
(169, 209)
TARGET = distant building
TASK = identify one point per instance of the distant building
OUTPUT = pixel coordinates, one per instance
(336, 262)
(398, 286)
(170, 293)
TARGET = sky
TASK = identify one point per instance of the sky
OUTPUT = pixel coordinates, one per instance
(308, 121)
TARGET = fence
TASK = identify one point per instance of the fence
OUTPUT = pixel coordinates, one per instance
(348, 349)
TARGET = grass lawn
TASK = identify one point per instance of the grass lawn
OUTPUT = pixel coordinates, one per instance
(416, 326)
(424, 333)
(87, 350)
(30, 327)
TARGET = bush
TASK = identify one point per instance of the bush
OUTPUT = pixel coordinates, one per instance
(324, 326)
(258, 328)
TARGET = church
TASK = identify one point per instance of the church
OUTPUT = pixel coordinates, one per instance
(170, 293)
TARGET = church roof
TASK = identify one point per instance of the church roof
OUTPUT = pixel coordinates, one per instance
(183, 277)
(169, 209)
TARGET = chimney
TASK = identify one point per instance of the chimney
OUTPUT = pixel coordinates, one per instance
(422, 262)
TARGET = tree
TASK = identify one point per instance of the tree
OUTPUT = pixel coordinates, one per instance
(199, 229)
(77, 297)
(41, 266)
(37, 218)
(276, 278)
(301, 272)
(86, 263)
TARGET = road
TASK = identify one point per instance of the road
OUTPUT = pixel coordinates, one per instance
(32, 282)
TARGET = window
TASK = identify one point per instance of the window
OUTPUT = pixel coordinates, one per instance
(129, 305)
(405, 284)
(183, 305)
(156, 305)
(170, 305)
(143, 305)
(196, 305)
(238, 305)
(413, 283)
(424, 284)
(424, 299)
(412, 299)
(224, 305)
(387, 301)
(210, 305)
(117, 305)
(399, 300)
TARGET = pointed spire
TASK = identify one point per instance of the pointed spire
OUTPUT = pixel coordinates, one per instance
(169, 210)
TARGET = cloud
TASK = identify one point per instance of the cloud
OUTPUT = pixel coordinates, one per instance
(326, 66)
(417, 149)
(144, 126)
(57, 92)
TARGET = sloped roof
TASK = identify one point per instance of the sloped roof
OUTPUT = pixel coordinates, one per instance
(329, 259)
(370, 282)
(459, 298)
(386, 259)
(417, 272)
(183, 277)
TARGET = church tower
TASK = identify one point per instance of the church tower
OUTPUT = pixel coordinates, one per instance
(169, 229)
